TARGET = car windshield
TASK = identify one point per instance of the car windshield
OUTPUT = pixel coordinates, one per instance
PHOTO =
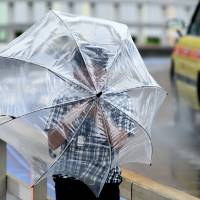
(195, 25)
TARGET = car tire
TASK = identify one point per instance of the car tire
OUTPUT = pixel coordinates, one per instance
(177, 113)
(182, 112)
(198, 87)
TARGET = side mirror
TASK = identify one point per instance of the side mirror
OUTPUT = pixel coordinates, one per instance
(177, 25)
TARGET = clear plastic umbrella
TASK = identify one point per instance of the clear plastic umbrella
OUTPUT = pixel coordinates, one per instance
(76, 98)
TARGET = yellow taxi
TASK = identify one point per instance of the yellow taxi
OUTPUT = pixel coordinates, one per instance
(185, 69)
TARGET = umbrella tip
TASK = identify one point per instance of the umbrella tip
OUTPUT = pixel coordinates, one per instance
(99, 94)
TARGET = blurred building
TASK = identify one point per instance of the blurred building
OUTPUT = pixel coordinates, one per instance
(145, 18)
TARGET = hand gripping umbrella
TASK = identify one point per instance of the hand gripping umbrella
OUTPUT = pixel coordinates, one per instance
(76, 98)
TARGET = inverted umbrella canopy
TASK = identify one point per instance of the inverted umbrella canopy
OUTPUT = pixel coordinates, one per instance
(76, 98)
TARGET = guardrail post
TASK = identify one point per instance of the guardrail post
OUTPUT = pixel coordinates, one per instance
(92, 8)
(116, 6)
(126, 189)
(3, 160)
(10, 31)
(71, 6)
(40, 190)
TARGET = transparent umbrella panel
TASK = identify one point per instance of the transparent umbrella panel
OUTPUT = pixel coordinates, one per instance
(27, 87)
(83, 151)
(77, 99)
(63, 43)
(90, 138)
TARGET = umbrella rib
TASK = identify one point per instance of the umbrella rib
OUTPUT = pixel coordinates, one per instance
(108, 136)
(68, 28)
(105, 125)
(65, 79)
(111, 65)
(44, 174)
(44, 108)
(136, 123)
(139, 87)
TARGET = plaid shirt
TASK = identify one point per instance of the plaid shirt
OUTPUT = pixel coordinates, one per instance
(70, 163)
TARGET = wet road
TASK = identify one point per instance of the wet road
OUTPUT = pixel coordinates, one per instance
(176, 158)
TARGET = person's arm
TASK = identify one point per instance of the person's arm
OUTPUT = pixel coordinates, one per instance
(53, 126)
(126, 127)
(63, 123)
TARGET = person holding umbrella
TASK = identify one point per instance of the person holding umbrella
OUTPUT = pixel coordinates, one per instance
(69, 187)
(91, 93)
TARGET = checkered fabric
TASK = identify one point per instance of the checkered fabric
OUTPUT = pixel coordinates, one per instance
(80, 160)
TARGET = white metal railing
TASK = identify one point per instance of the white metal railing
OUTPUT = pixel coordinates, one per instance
(22, 191)
(134, 186)
(18, 15)
(18, 189)
(2, 170)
